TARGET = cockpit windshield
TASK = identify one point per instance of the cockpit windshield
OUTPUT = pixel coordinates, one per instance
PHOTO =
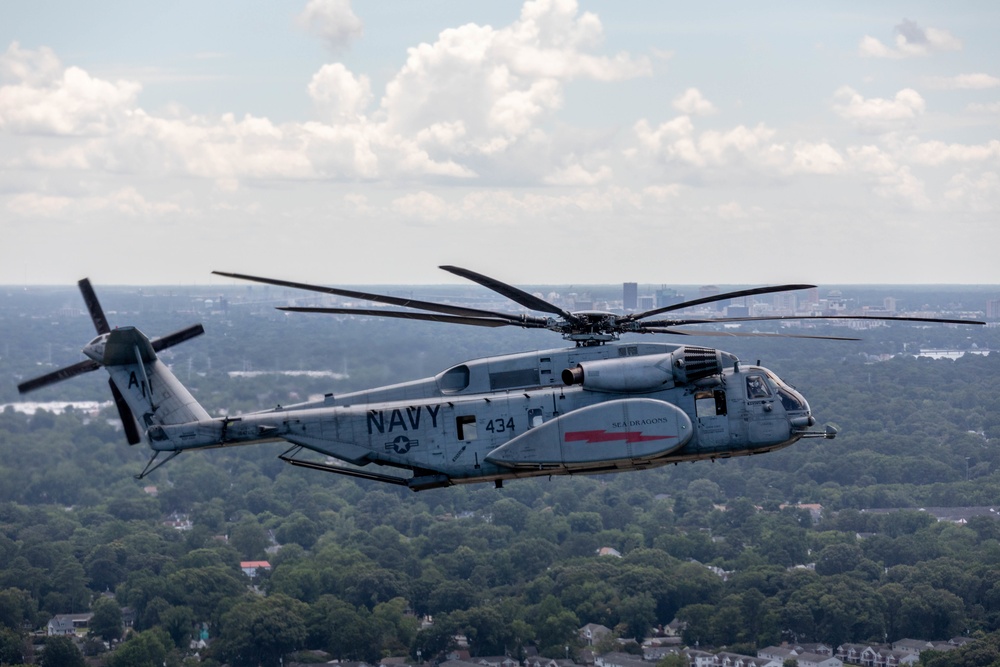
(791, 400)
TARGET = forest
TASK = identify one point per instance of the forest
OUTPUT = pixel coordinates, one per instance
(362, 566)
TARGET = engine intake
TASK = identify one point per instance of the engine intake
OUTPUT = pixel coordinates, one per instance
(646, 373)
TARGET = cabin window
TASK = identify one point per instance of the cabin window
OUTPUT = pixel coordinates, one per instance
(756, 387)
(466, 426)
(710, 403)
(535, 417)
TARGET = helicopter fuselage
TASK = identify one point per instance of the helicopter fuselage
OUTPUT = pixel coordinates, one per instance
(582, 410)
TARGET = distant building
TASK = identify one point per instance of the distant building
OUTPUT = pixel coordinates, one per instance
(592, 633)
(708, 291)
(252, 567)
(630, 296)
(67, 624)
(667, 297)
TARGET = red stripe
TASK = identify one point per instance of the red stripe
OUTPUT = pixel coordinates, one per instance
(605, 436)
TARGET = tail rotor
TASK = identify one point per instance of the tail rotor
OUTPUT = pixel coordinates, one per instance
(102, 354)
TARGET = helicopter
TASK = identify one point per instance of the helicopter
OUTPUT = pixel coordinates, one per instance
(600, 405)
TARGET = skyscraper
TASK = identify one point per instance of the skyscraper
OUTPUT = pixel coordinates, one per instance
(630, 296)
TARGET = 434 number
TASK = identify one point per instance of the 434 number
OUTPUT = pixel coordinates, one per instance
(499, 425)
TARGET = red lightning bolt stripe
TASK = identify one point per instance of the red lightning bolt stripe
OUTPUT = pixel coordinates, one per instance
(605, 436)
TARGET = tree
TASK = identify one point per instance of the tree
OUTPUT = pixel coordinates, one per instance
(61, 652)
(107, 620)
(149, 648)
(673, 660)
(259, 631)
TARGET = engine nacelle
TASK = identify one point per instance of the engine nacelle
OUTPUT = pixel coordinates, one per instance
(646, 373)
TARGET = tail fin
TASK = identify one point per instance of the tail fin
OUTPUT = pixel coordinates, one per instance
(151, 392)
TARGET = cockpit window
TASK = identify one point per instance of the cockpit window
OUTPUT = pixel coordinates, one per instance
(756, 387)
(790, 401)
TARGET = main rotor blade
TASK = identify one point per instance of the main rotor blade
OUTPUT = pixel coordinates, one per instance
(65, 373)
(426, 317)
(514, 294)
(171, 339)
(380, 298)
(777, 318)
(712, 299)
(94, 306)
(737, 334)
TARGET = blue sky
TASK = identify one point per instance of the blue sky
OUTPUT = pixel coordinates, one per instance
(549, 141)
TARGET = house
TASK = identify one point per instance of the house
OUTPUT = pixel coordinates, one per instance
(496, 661)
(616, 659)
(67, 624)
(777, 653)
(817, 660)
(700, 658)
(725, 659)
(592, 633)
(252, 567)
(914, 646)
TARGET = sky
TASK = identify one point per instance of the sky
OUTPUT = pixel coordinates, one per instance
(357, 142)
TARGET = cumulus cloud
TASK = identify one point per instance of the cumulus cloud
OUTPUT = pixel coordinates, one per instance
(933, 153)
(340, 94)
(577, 174)
(878, 114)
(44, 98)
(977, 81)
(975, 192)
(333, 21)
(486, 89)
(125, 201)
(819, 158)
(911, 40)
(890, 179)
(693, 103)
(677, 141)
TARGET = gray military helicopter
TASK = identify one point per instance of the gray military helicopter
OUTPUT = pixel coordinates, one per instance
(599, 406)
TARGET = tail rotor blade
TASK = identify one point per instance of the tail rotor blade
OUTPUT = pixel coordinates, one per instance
(58, 376)
(94, 306)
(177, 337)
(129, 423)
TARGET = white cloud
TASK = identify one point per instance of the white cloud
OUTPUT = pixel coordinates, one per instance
(676, 141)
(29, 67)
(577, 174)
(693, 103)
(44, 98)
(340, 94)
(977, 81)
(932, 153)
(890, 179)
(878, 114)
(819, 158)
(911, 40)
(500, 85)
(333, 21)
(125, 201)
(977, 193)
